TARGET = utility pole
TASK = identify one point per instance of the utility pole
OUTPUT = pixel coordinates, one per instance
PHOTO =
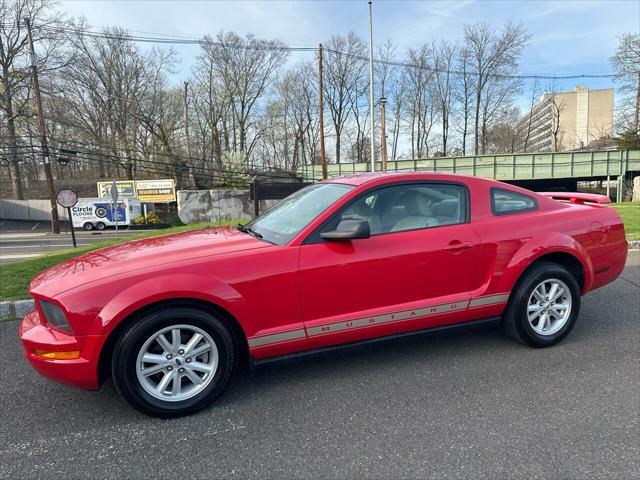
(55, 221)
(383, 134)
(323, 158)
(373, 141)
(638, 105)
(192, 177)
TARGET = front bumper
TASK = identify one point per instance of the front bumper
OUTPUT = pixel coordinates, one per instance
(81, 372)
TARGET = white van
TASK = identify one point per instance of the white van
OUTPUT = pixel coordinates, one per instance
(98, 213)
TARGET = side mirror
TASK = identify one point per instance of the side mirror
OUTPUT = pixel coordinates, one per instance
(348, 229)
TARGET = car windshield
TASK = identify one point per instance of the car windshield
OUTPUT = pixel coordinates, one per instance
(287, 218)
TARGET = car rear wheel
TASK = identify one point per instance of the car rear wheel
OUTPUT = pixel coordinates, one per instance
(174, 361)
(88, 226)
(544, 306)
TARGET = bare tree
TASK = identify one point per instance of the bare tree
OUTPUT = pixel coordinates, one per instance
(626, 62)
(15, 79)
(343, 73)
(444, 54)
(246, 68)
(464, 94)
(421, 108)
(492, 56)
(390, 86)
(498, 98)
(532, 112)
(503, 136)
(555, 103)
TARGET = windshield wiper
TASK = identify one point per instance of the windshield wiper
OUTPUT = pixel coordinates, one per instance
(249, 230)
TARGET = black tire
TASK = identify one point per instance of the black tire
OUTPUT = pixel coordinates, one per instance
(88, 226)
(100, 226)
(131, 341)
(515, 318)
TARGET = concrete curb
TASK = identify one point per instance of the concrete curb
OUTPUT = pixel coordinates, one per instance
(16, 309)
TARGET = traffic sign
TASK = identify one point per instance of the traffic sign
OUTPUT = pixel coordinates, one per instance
(67, 198)
(114, 192)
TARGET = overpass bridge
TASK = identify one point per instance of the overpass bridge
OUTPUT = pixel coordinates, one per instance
(527, 169)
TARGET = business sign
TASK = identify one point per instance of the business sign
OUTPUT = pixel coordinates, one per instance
(156, 191)
(100, 210)
(148, 191)
(126, 188)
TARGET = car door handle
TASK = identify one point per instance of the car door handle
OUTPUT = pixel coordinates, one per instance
(457, 245)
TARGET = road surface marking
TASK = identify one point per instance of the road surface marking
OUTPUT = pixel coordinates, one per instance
(35, 226)
(47, 245)
(20, 255)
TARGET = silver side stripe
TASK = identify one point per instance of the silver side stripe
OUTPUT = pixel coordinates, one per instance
(376, 320)
(489, 300)
(386, 318)
(277, 338)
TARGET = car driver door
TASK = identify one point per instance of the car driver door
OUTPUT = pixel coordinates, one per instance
(409, 274)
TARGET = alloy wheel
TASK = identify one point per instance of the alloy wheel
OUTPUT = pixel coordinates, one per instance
(549, 306)
(177, 362)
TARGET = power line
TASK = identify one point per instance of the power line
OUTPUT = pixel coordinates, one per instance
(404, 64)
(158, 167)
(159, 38)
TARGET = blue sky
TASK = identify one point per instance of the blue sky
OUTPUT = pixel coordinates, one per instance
(568, 37)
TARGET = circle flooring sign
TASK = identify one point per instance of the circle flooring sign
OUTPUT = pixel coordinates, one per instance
(67, 198)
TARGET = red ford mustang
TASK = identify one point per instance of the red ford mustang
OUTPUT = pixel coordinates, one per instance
(341, 261)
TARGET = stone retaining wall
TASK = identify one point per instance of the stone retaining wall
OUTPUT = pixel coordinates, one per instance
(195, 206)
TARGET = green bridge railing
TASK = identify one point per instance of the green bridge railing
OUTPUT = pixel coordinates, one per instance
(520, 166)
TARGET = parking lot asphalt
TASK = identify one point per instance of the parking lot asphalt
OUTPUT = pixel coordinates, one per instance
(470, 404)
(24, 240)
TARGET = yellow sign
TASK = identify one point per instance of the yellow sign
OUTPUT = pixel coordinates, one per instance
(148, 191)
(126, 188)
(156, 191)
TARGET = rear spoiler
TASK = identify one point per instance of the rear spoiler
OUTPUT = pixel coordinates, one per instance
(577, 197)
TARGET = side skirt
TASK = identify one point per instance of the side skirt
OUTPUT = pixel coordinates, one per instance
(317, 352)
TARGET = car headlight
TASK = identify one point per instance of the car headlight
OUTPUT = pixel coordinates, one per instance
(55, 316)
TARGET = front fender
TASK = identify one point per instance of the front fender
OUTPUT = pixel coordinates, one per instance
(171, 287)
(541, 245)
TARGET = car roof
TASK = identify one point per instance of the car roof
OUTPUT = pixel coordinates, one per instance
(384, 177)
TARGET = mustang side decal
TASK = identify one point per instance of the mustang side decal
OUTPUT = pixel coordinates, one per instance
(406, 315)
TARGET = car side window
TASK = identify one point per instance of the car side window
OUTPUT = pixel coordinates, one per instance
(504, 202)
(404, 207)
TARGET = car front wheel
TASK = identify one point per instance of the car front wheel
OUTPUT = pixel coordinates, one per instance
(544, 306)
(174, 361)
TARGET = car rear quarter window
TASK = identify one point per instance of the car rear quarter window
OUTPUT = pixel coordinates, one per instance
(505, 202)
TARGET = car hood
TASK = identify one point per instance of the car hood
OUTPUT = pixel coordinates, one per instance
(139, 254)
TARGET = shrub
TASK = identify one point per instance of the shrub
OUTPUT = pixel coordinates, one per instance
(153, 219)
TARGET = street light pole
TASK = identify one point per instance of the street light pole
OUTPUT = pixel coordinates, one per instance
(323, 158)
(383, 134)
(55, 222)
(371, 117)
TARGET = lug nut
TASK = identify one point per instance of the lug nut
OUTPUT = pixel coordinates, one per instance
(181, 351)
(188, 360)
(169, 357)
(169, 368)
(181, 370)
